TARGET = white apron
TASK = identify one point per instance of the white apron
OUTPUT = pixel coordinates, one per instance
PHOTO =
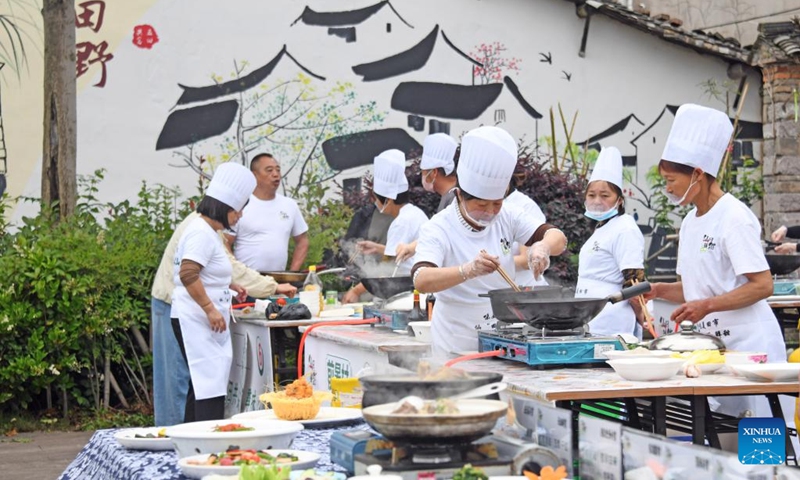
(746, 330)
(454, 328)
(209, 353)
(614, 318)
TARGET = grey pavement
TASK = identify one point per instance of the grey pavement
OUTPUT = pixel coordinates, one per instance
(44, 457)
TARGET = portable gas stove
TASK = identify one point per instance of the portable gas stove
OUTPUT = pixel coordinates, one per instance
(355, 450)
(543, 348)
(390, 318)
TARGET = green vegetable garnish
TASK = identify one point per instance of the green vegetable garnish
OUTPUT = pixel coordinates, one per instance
(467, 472)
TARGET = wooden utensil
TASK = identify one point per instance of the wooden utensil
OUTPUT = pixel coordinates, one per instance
(506, 277)
(647, 317)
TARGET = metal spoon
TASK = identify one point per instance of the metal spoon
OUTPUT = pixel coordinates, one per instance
(482, 391)
(396, 266)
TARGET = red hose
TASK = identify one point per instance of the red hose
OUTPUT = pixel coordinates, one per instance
(474, 356)
(333, 323)
(242, 305)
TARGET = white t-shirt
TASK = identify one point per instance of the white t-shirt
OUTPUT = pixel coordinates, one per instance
(618, 245)
(715, 252)
(263, 233)
(524, 276)
(404, 229)
(200, 243)
(446, 242)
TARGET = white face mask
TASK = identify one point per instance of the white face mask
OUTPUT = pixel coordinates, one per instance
(673, 199)
(427, 186)
(377, 205)
(482, 219)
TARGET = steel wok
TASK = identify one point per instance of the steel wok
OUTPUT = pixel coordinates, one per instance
(499, 298)
(380, 389)
(387, 287)
(296, 278)
(782, 264)
(475, 419)
(568, 313)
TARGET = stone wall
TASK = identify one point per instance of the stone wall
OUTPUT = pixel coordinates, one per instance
(781, 147)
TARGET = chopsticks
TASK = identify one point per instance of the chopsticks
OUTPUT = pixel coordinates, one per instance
(506, 277)
(647, 317)
(354, 255)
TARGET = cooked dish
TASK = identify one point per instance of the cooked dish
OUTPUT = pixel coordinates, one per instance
(236, 457)
(440, 406)
(233, 427)
(298, 402)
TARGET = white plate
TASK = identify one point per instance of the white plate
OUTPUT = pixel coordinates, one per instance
(615, 354)
(317, 474)
(326, 416)
(304, 460)
(770, 372)
(127, 439)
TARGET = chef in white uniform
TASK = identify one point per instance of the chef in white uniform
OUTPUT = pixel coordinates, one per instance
(461, 247)
(614, 255)
(524, 277)
(725, 278)
(390, 188)
(201, 301)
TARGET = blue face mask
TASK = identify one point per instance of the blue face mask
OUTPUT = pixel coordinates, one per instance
(600, 216)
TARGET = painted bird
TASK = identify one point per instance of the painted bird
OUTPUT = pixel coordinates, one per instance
(546, 57)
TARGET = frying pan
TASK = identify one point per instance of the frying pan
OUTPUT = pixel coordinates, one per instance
(387, 287)
(296, 278)
(475, 419)
(499, 298)
(380, 389)
(568, 313)
(782, 264)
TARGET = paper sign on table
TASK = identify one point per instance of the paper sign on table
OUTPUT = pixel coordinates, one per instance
(645, 455)
(554, 431)
(600, 449)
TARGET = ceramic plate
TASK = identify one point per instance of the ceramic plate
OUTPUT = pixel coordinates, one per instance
(304, 460)
(327, 416)
(316, 475)
(127, 438)
(770, 372)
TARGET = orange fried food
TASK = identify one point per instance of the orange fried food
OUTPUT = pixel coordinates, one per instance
(300, 388)
(298, 401)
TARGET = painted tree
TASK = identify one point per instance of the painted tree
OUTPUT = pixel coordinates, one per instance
(60, 109)
(496, 63)
(289, 119)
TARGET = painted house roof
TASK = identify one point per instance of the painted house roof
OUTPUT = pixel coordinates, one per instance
(200, 94)
(344, 18)
(409, 60)
(359, 149)
(779, 41)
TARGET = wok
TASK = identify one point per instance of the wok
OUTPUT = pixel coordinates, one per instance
(782, 264)
(568, 313)
(475, 419)
(499, 298)
(379, 389)
(387, 287)
(297, 278)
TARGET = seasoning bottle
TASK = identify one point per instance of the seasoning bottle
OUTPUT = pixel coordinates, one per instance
(314, 284)
(429, 305)
(416, 314)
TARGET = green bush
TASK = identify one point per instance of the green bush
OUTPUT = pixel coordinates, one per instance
(74, 295)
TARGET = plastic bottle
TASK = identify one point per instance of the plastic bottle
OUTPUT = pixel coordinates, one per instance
(314, 284)
(431, 300)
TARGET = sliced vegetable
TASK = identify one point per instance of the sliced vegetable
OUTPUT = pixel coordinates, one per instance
(233, 427)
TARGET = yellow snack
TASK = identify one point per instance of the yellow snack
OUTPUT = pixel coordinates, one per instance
(297, 402)
(701, 356)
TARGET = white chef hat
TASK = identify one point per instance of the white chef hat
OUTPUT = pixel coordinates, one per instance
(232, 184)
(608, 167)
(389, 174)
(438, 151)
(488, 158)
(698, 138)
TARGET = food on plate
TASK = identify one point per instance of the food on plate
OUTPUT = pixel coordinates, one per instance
(701, 356)
(298, 401)
(440, 406)
(691, 370)
(425, 371)
(238, 457)
(468, 472)
(162, 433)
(233, 427)
(261, 472)
(312, 474)
(547, 473)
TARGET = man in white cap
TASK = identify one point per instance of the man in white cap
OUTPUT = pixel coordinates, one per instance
(613, 257)
(462, 246)
(390, 188)
(201, 301)
(725, 279)
(261, 239)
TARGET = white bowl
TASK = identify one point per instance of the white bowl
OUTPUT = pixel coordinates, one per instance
(733, 359)
(615, 354)
(127, 438)
(770, 372)
(422, 330)
(199, 437)
(641, 369)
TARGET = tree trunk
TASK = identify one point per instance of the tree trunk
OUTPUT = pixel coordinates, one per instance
(60, 110)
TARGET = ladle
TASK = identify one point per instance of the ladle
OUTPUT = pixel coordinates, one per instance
(482, 391)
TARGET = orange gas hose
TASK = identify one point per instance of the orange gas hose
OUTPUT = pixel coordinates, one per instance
(474, 356)
(333, 323)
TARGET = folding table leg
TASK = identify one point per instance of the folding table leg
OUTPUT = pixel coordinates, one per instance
(660, 415)
(777, 412)
(711, 432)
(698, 405)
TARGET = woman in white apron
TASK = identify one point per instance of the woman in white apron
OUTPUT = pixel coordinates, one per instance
(523, 275)
(725, 278)
(613, 257)
(201, 302)
(461, 247)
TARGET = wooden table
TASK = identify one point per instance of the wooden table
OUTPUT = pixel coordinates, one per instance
(644, 404)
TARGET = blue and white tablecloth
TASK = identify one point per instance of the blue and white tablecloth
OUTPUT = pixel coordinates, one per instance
(104, 458)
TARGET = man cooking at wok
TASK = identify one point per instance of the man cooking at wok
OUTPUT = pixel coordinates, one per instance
(460, 248)
(725, 278)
